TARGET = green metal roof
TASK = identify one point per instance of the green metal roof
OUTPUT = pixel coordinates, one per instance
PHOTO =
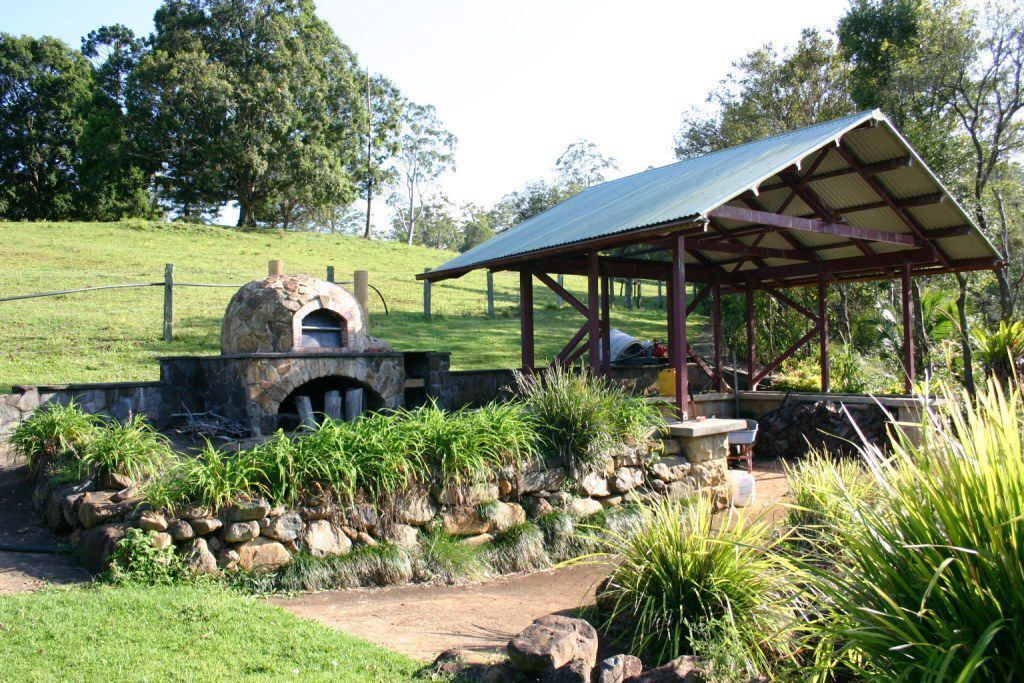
(681, 192)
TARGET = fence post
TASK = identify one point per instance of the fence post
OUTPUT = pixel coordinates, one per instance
(361, 280)
(661, 301)
(168, 302)
(330, 273)
(426, 297)
(490, 293)
(561, 283)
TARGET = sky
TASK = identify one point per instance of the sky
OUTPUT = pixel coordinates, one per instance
(517, 81)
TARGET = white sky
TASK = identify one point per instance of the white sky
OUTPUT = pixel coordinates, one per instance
(517, 81)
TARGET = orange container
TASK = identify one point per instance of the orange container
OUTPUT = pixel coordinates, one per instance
(667, 382)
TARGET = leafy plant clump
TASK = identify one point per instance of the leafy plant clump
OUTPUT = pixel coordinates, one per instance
(132, 448)
(578, 414)
(519, 548)
(52, 438)
(211, 478)
(929, 585)
(678, 573)
(138, 561)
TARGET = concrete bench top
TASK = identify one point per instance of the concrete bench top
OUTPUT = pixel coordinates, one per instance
(708, 427)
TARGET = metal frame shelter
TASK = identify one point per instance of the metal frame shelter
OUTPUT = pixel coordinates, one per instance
(843, 201)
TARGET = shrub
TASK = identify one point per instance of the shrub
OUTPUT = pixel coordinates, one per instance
(677, 573)
(932, 581)
(137, 561)
(519, 548)
(133, 449)
(578, 414)
(1001, 350)
(52, 437)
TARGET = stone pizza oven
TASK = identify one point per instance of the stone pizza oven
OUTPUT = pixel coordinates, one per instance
(293, 348)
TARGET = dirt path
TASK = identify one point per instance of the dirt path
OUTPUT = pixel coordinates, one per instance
(422, 621)
(19, 525)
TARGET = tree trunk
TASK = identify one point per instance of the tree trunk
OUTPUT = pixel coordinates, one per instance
(844, 313)
(965, 340)
(920, 338)
(368, 234)
(412, 217)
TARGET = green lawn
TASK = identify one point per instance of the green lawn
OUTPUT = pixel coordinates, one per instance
(178, 633)
(115, 335)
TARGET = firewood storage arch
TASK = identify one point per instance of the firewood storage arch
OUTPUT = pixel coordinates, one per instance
(842, 201)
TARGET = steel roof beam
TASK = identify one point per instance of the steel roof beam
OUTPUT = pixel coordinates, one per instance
(873, 169)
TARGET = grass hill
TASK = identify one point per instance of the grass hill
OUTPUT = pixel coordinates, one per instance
(115, 335)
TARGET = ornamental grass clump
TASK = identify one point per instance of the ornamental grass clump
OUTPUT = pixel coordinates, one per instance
(931, 582)
(677, 574)
(444, 557)
(519, 548)
(133, 448)
(578, 414)
(52, 437)
(210, 478)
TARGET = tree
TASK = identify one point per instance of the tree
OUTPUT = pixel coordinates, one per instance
(435, 226)
(384, 124)
(253, 99)
(426, 150)
(770, 93)
(113, 184)
(477, 228)
(582, 165)
(45, 89)
(537, 197)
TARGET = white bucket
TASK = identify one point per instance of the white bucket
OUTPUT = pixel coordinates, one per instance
(742, 486)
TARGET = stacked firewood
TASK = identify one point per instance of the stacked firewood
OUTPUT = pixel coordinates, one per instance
(794, 428)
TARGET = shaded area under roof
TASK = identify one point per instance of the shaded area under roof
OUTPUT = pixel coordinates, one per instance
(856, 174)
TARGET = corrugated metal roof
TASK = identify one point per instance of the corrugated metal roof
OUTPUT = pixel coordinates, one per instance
(688, 190)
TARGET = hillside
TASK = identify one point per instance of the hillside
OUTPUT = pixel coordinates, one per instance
(115, 335)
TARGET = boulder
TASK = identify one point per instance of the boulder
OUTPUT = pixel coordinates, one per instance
(560, 499)
(658, 486)
(205, 525)
(227, 558)
(161, 540)
(685, 668)
(403, 534)
(627, 479)
(214, 543)
(628, 456)
(582, 507)
(671, 446)
(576, 671)
(320, 538)
(286, 527)
(197, 556)
(506, 515)
(611, 501)
(248, 510)
(450, 663)
(594, 484)
(684, 488)
(115, 481)
(478, 540)
(58, 501)
(240, 532)
(466, 494)
(544, 480)
(362, 517)
(414, 507)
(618, 669)
(180, 530)
(69, 507)
(363, 538)
(131, 493)
(152, 521)
(195, 512)
(551, 642)
(671, 469)
(536, 507)
(94, 510)
(465, 521)
(315, 512)
(261, 554)
(98, 543)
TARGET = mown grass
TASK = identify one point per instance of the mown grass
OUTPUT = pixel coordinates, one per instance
(115, 335)
(177, 634)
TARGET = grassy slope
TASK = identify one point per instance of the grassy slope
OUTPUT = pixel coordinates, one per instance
(114, 335)
(158, 634)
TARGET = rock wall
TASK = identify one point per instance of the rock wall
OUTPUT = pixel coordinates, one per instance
(256, 535)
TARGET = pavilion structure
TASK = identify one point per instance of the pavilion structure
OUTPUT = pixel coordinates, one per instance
(843, 201)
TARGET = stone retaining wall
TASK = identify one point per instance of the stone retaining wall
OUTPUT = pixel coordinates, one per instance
(254, 535)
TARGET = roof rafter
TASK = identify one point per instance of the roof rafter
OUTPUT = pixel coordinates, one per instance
(736, 213)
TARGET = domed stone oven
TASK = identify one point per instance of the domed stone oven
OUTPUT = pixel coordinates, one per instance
(293, 348)
(286, 313)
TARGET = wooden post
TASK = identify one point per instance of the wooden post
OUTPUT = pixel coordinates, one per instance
(629, 293)
(426, 297)
(353, 404)
(275, 267)
(908, 331)
(330, 273)
(526, 319)
(678, 345)
(716, 313)
(639, 295)
(168, 302)
(490, 294)
(594, 310)
(361, 280)
(332, 404)
(305, 408)
(823, 323)
(606, 328)
(561, 283)
(751, 355)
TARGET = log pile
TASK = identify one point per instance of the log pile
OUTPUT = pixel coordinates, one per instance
(793, 428)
